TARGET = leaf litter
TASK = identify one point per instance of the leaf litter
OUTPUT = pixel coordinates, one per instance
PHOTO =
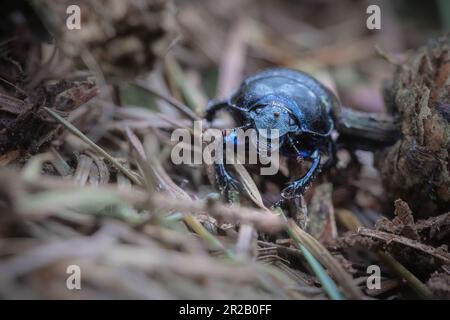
(87, 178)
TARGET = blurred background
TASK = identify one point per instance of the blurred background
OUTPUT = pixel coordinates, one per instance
(226, 39)
(220, 42)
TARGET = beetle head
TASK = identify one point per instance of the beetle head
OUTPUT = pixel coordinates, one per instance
(273, 115)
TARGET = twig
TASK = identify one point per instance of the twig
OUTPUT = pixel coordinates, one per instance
(440, 256)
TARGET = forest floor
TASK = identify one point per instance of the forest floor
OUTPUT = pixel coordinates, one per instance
(86, 177)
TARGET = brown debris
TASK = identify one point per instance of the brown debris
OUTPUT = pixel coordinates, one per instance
(435, 230)
(439, 283)
(441, 255)
(24, 126)
(413, 244)
(123, 36)
(402, 224)
(416, 167)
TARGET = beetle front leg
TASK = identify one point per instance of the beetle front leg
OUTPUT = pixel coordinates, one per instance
(213, 107)
(226, 182)
(299, 186)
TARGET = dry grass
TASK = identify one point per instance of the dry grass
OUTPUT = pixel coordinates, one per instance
(90, 181)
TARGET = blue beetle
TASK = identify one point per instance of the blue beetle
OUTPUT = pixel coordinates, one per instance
(296, 104)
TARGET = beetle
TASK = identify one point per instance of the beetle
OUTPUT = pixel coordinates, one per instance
(299, 106)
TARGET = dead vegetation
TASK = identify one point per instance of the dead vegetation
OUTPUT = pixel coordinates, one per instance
(87, 180)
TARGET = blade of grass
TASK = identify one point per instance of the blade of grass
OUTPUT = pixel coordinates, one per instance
(86, 200)
(174, 102)
(233, 214)
(327, 283)
(72, 129)
(159, 177)
(233, 60)
(192, 95)
(250, 186)
(326, 259)
(404, 273)
(199, 229)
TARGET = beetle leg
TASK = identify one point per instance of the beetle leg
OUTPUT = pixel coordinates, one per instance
(226, 182)
(213, 107)
(299, 186)
(332, 155)
(224, 179)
